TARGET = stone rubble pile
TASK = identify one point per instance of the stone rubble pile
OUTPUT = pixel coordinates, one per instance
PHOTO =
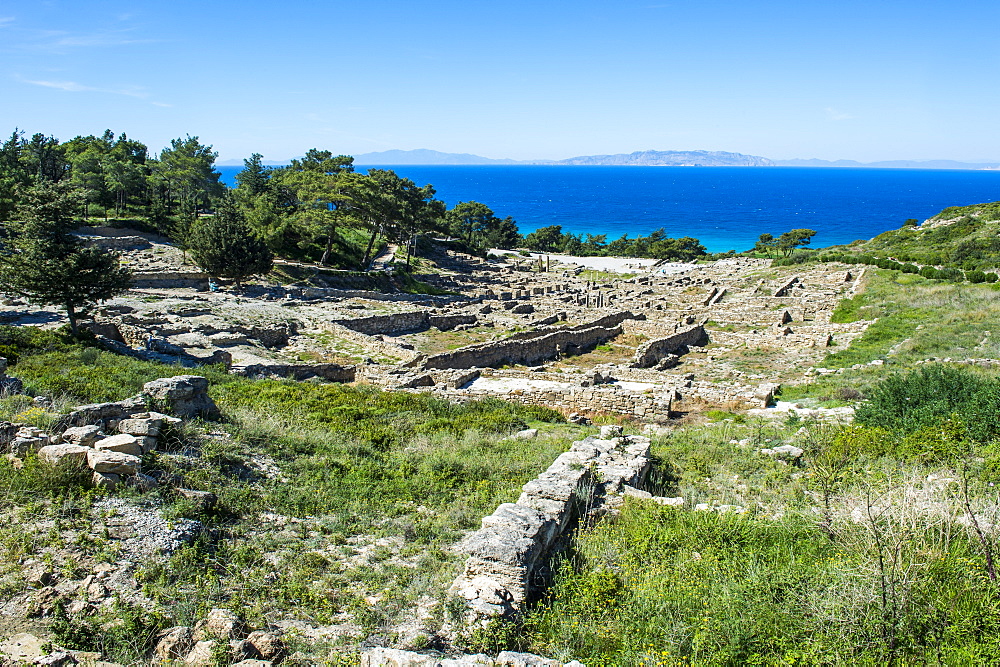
(220, 632)
(111, 438)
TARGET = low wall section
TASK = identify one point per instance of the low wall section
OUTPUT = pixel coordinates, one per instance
(509, 556)
(532, 350)
(651, 352)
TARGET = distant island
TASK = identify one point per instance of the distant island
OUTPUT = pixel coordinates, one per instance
(651, 158)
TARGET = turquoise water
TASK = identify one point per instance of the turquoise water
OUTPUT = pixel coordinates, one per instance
(726, 208)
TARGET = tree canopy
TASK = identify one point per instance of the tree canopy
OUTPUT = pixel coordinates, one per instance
(223, 245)
(47, 264)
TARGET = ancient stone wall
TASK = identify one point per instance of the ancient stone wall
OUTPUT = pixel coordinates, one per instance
(446, 322)
(331, 372)
(599, 399)
(651, 352)
(169, 279)
(387, 324)
(531, 351)
(509, 555)
(532, 347)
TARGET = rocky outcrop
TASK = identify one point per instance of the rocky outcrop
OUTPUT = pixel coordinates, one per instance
(183, 395)
(509, 555)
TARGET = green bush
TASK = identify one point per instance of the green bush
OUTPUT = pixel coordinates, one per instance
(975, 276)
(908, 402)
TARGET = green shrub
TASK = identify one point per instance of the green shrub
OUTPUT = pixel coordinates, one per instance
(975, 277)
(929, 272)
(908, 402)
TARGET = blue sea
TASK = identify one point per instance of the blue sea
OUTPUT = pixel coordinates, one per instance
(726, 208)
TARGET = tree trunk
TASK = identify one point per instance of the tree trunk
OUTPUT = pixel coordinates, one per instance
(326, 252)
(71, 313)
(368, 250)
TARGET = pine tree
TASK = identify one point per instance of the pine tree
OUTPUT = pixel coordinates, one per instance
(44, 262)
(225, 246)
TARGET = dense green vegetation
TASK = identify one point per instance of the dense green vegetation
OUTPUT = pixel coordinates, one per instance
(657, 245)
(860, 552)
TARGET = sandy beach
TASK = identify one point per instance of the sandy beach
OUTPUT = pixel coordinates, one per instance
(610, 264)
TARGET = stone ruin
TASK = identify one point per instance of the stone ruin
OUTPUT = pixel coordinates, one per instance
(510, 556)
(670, 338)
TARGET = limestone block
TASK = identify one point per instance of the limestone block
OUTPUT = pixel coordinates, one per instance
(219, 623)
(205, 500)
(173, 643)
(123, 443)
(268, 645)
(611, 431)
(70, 454)
(185, 395)
(106, 480)
(84, 436)
(201, 655)
(113, 462)
(22, 444)
(143, 427)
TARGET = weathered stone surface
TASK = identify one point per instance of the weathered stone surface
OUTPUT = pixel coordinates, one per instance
(106, 480)
(173, 643)
(123, 443)
(184, 395)
(85, 436)
(202, 654)
(113, 462)
(650, 353)
(513, 545)
(68, 454)
(140, 427)
(269, 646)
(220, 623)
(205, 500)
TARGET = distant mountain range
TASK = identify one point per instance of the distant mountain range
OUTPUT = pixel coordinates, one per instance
(672, 159)
(423, 156)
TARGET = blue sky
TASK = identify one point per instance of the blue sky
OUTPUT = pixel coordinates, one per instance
(524, 80)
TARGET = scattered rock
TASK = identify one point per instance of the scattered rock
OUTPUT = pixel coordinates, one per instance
(113, 462)
(85, 436)
(184, 395)
(64, 454)
(124, 444)
(205, 500)
(220, 623)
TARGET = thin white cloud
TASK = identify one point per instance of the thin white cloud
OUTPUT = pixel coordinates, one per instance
(74, 87)
(97, 39)
(834, 114)
(6, 21)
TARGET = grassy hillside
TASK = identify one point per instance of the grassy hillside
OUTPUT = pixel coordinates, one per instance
(336, 503)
